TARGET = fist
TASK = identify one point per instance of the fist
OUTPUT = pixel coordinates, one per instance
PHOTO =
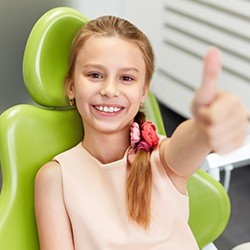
(220, 117)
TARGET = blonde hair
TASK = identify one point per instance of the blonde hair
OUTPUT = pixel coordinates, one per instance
(139, 178)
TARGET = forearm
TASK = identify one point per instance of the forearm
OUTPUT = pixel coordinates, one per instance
(186, 149)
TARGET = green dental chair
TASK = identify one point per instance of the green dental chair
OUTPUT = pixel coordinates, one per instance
(31, 135)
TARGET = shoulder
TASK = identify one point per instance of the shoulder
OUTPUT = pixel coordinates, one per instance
(50, 211)
(67, 155)
(179, 182)
(48, 175)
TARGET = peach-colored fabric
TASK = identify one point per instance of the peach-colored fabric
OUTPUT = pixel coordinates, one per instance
(94, 195)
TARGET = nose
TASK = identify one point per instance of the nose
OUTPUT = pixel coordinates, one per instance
(110, 88)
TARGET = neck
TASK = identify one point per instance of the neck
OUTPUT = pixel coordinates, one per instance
(107, 147)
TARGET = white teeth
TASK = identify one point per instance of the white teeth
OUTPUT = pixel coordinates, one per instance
(108, 109)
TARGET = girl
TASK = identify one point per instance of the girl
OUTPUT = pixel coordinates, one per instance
(123, 186)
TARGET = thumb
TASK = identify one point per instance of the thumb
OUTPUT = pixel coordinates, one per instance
(206, 93)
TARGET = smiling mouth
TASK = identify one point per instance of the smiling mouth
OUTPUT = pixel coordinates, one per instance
(107, 109)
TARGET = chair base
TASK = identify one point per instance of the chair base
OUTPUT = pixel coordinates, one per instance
(244, 246)
(210, 246)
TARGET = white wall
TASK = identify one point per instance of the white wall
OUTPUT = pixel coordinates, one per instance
(190, 27)
(95, 8)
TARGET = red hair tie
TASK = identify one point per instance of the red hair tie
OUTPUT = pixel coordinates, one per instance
(144, 137)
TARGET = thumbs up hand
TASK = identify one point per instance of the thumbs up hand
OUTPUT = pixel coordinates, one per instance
(221, 120)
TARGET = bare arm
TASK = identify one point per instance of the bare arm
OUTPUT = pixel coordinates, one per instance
(53, 224)
(219, 124)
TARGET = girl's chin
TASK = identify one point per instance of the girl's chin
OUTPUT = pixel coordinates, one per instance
(110, 127)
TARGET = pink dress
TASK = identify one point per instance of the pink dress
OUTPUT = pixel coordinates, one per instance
(94, 196)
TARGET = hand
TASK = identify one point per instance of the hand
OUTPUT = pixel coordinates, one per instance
(220, 117)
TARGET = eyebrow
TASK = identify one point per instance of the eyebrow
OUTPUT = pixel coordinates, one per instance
(92, 65)
(99, 66)
(130, 68)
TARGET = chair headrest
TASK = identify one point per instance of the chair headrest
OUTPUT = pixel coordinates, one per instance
(46, 55)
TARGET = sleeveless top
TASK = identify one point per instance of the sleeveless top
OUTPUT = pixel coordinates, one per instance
(94, 197)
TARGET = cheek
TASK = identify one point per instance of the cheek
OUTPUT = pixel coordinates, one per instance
(135, 102)
(135, 97)
(139, 95)
(84, 90)
(82, 96)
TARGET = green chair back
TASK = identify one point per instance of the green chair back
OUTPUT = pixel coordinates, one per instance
(31, 135)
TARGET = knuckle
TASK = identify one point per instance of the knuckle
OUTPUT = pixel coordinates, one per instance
(213, 120)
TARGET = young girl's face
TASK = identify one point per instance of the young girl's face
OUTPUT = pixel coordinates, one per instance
(108, 83)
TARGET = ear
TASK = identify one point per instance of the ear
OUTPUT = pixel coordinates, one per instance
(144, 93)
(70, 88)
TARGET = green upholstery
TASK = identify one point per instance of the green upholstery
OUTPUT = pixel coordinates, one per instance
(46, 57)
(31, 136)
(209, 207)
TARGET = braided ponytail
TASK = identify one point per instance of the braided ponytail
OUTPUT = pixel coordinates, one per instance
(139, 184)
